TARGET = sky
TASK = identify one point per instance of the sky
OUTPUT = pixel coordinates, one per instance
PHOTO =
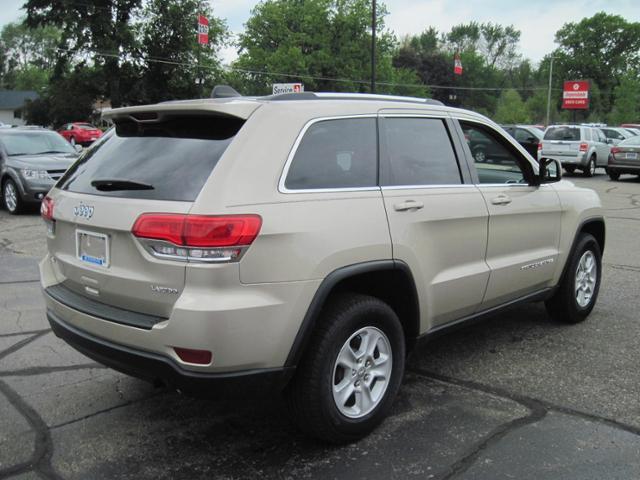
(538, 20)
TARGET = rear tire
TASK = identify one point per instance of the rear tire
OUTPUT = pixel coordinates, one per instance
(578, 290)
(590, 169)
(11, 197)
(351, 372)
(613, 175)
(480, 155)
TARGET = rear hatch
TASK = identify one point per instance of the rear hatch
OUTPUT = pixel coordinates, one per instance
(150, 162)
(627, 152)
(561, 141)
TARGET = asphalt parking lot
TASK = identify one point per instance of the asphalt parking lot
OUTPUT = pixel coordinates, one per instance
(516, 396)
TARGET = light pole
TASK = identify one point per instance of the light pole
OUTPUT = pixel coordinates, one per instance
(549, 91)
(373, 46)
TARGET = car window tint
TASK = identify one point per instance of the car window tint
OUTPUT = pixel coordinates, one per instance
(562, 133)
(418, 151)
(340, 153)
(175, 156)
(35, 143)
(523, 136)
(495, 161)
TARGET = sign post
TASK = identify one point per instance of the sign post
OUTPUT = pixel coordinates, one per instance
(279, 88)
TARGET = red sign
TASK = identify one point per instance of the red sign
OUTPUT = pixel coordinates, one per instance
(575, 95)
(203, 30)
(457, 64)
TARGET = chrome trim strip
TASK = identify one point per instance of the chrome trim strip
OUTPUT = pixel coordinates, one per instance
(432, 186)
(147, 244)
(283, 176)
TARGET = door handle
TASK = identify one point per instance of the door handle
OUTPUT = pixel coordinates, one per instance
(408, 205)
(501, 199)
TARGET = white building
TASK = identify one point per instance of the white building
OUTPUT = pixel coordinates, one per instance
(12, 103)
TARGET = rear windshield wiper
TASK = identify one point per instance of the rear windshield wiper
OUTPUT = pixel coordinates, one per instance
(112, 184)
(51, 151)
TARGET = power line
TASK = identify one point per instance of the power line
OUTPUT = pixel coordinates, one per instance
(301, 76)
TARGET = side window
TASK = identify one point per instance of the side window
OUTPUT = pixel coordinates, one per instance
(339, 153)
(495, 160)
(601, 136)
(418, 151)
(522, 135)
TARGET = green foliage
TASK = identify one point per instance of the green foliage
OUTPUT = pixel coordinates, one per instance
(626, 105)
(511, 108)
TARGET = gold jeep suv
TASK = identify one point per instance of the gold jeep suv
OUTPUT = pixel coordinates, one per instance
(303, 242)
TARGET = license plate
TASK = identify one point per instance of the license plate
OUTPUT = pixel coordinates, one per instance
(631, 156)
(92, 248)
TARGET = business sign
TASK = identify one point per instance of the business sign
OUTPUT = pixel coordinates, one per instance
(457, 64)
(279, 88)
(575, 95)
(203, 30)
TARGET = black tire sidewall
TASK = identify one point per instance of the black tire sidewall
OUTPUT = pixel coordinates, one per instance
(375, 314)
(586, 242)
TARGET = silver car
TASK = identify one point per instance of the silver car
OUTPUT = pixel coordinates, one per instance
(615, 135)
(579, 147)
(31, 161)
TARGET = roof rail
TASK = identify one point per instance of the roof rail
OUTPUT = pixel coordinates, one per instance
(349, 96)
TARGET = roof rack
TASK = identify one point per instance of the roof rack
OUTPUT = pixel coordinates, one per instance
(349, 96)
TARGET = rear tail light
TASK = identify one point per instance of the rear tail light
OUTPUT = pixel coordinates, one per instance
(615, 150)
(200, 238)
(584, 147)
(189, 355)
(46, 208)
(540, 146)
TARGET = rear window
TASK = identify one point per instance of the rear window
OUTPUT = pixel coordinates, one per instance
(562, 133)
(174, 157)
(86, 126)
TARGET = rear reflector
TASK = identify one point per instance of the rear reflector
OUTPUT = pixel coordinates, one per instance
(188, 355)
(46, 208)
(200, 231)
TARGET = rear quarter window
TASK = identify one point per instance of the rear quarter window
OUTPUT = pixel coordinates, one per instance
(337, 153)
(562, 133)
(175, 156)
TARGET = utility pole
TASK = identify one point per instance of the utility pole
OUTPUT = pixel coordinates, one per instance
(373, 46)
(549, 91)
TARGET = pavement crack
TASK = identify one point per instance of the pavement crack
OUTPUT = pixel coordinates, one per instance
(27, 332)
(9, 282)
(40, 460)
(43, 370)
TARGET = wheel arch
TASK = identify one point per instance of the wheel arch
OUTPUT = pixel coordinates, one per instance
(388, 280)
(594, 226)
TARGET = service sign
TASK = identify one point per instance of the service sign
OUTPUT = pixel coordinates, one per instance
(279, 88)
(575, 95)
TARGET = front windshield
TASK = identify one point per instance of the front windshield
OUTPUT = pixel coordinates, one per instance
(35, 143)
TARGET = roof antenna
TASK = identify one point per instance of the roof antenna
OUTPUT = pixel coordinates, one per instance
(224, 91)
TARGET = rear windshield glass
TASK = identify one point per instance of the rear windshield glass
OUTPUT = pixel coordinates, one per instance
(86, 126)
(562, 133)
(167, 160)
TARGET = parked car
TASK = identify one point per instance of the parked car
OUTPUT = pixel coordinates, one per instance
(624, 158)
(31, 161)
(633, 131)
(80, 133)
(631, 125)
(303, 243)
(527, 136)
(576, 147)
(615, 135)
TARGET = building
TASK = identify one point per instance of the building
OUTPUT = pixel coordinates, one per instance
(12, 103)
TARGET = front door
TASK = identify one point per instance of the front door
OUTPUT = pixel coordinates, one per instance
(437, 217)
(524, 220)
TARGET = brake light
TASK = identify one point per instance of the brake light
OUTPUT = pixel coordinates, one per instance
(46, 208)
(584, 147)
(197, 237)
(540, 146)
(615, 150)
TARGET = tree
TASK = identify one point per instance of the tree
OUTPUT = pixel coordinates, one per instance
(511, 108)
(168, 35)
(324, 43)
(101, 30)
(626, 105)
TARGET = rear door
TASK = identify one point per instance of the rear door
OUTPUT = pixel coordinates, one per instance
(157, 166)
(602, 147)
(437, 218)
(524, 220)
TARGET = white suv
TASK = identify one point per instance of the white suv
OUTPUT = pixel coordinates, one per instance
(304, 242)
(576, 147)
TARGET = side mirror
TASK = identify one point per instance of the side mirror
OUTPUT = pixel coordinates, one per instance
(550, 171)
(78, 148)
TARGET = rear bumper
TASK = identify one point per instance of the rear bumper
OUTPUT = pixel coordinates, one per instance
(578, 160)
(621, 168)
(157, 368)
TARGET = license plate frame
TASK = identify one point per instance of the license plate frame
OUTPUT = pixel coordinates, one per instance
(96, 254)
